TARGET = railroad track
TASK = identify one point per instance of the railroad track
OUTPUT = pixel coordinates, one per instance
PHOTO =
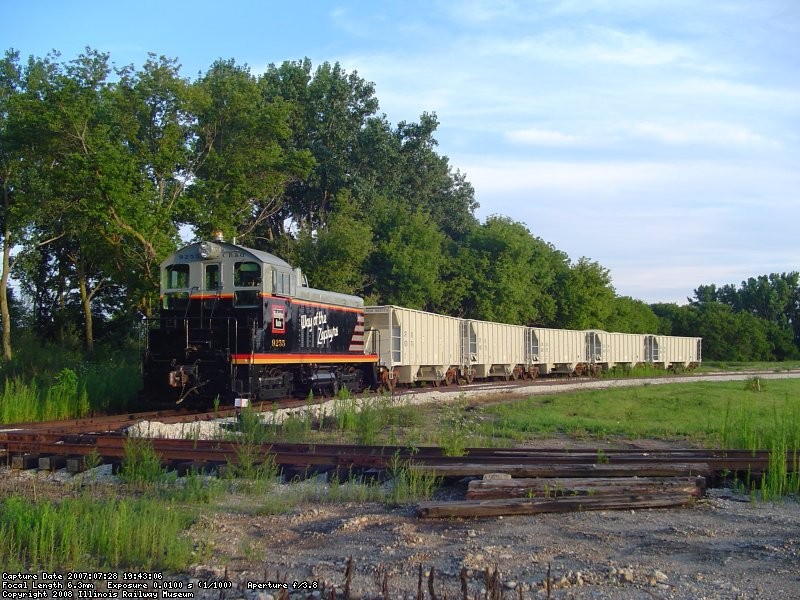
(530, 480)
(503, 481)
(25, 448)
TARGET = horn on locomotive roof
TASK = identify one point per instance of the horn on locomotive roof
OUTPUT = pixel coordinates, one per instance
(219, 236)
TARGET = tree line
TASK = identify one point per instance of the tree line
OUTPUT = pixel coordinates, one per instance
(102, 167)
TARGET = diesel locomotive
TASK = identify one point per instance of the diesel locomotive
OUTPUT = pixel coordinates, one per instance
(241, 325)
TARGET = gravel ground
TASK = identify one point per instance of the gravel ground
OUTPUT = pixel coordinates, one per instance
(724, 547)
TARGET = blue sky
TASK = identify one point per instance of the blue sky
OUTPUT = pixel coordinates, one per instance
(661, 139)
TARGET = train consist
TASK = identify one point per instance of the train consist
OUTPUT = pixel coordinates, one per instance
(243, 326)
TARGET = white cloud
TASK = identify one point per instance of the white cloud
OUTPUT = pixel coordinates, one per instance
(481, 12)
(588, 44)
(541, 137)
(500, 176)
(699, 132)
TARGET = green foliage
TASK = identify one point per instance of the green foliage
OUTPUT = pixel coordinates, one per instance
(335, 257)
(39, 386)
(407, 256)
(511, 273)
(457, 427)
(756, 321)
(631, 316)
(83, 533)
(360, 419)
(141, 465)
(704, 413)
(755, 384)
(410, 482)
(584, 296)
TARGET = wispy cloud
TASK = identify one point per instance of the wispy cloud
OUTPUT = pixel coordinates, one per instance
(589, 44)
(702, 133)
(542, 137)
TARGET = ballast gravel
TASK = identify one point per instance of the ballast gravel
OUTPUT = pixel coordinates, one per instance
(724, 547)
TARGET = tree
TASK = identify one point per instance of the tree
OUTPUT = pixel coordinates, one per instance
(10, 88)
(329, 111)
(511, 274)
(631, 316)
(335, 257)
(774, 299)
(245, 158)
(405, 264)
(584, 296)
(23, 164)
(154, 107)
(427, 181)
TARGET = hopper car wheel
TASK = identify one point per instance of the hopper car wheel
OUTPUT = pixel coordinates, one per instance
(450, 376)
(389, 379)
(467, 377)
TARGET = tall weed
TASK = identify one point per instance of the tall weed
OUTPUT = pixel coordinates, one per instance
(84, 534)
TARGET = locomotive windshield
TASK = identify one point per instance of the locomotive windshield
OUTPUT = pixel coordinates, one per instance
(176, 277)
(176, 285)
(246, 274)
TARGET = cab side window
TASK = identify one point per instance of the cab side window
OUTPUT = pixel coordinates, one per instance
(282, 283)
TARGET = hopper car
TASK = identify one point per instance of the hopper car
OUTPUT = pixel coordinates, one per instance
(415, 346)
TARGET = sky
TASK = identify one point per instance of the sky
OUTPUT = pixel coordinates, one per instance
(658, 138)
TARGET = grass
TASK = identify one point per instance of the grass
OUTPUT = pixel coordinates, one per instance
(753, 415)
(84, 533)
(702, 413)
(720, 365)
(146, 524)
(69, 394)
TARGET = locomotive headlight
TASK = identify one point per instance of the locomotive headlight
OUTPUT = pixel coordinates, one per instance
(209, 250)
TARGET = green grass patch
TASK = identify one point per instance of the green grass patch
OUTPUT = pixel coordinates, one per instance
(756, 414)
(82, 533)
(722, 365)
(703, 413)
(69, 394)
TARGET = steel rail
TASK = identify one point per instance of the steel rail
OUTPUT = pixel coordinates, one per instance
(479, 460)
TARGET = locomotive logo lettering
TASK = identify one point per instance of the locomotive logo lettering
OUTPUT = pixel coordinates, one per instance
(319, 322)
